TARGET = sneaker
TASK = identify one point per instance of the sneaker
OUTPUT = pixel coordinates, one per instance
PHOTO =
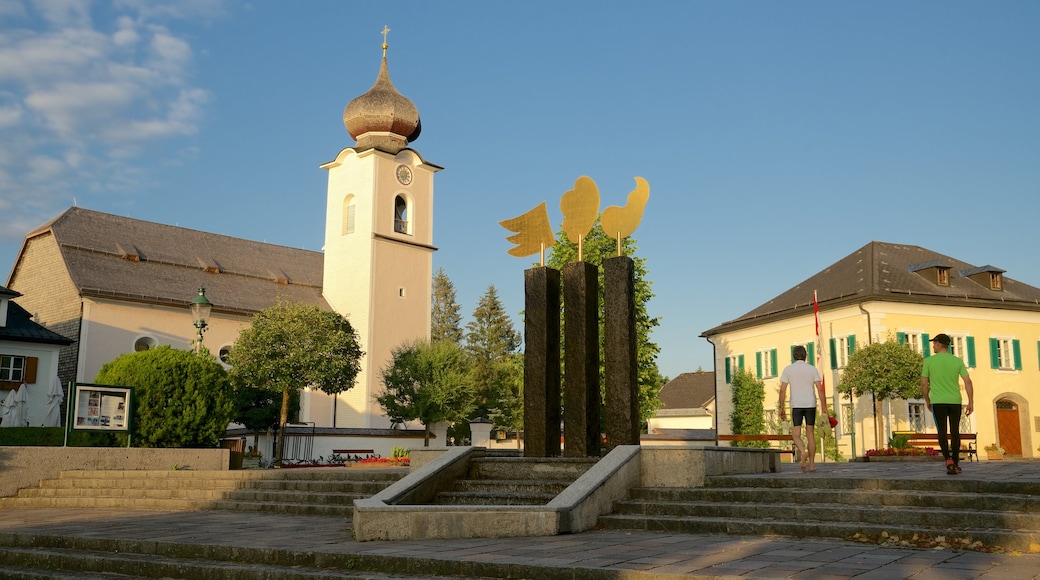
(951, 467)
(956, 468)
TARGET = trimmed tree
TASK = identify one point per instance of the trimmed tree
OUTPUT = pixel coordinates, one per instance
(445, 320)
(595, 248)
(748, 415)
(180, 399)
(883, 370)
(427, 382)
(292, 346)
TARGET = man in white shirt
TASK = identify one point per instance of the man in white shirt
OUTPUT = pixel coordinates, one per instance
(802, 377)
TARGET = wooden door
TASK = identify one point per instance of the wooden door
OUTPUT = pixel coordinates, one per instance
(1009, 430)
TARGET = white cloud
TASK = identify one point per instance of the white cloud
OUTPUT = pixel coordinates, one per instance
(86, 88)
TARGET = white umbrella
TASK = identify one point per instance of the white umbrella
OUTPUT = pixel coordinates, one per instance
(9, 404)
(20, 413)
(54, 398)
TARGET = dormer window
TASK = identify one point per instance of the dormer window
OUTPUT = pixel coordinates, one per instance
(986, 276)
(996, 281)
(936, 272)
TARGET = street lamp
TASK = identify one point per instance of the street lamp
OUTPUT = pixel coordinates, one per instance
(200, 309)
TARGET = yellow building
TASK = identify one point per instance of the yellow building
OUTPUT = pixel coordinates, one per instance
(888, 291)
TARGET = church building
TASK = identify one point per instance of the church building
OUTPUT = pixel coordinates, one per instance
(115, 285)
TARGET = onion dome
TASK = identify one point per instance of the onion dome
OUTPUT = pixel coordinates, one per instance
(382, 118)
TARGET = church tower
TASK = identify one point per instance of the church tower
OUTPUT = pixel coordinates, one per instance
(379, 248)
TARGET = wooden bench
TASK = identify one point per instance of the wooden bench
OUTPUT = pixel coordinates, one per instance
(931, 440)
(354, 454)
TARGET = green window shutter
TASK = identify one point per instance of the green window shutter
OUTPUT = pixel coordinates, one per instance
(994, 356)
(740, 362)
(901, 337)
(811, 351)
(729, 372)
(794, 345)
(772, 355)
(926, 345)
(852, 344)
(1016, 349)
(834, 354)
(758, 364)
(970, 345)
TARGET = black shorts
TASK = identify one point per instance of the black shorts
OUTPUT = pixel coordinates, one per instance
(808, 414)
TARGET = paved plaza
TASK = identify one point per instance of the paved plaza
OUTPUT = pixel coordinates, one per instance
(605, 554)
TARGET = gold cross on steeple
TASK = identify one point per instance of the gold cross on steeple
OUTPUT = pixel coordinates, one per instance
(386, 30)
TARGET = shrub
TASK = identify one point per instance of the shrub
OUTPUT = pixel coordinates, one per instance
(180, 399)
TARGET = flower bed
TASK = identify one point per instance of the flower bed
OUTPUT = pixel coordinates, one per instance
(903, 452)
(383, 462)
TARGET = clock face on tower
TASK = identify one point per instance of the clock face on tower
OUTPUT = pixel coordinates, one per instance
(404, 174)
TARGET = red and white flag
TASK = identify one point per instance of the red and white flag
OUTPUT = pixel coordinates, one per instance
(819, 340)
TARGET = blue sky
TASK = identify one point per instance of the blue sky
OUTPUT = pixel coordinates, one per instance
(777, 137)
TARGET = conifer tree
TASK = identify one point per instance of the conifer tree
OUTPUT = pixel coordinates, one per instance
(445, 320)
(491, 341)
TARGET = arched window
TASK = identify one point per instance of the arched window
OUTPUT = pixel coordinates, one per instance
(401, 215)
(144, 343)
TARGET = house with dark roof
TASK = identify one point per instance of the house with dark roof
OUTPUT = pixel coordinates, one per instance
(687, 402)
(115, 285)
(886, 291)
(28, 358)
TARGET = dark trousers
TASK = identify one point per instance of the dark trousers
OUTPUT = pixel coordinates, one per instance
(948, 420)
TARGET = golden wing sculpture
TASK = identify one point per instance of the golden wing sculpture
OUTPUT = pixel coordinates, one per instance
(580, 206)
(533, 232)
(620, 222)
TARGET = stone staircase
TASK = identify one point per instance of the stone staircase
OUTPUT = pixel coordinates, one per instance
(514, 480)
(302, 491)
(977, 513)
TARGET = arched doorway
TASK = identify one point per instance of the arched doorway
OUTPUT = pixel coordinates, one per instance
(1009, 430)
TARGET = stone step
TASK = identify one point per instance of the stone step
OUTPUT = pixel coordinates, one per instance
(159, 483)
(56, 563)
(285, 507)
(239, 495)
(1004, 502)
(517, 486)
(532, 468)
(1020, 540)
(487, 498)
(811, 512)
(945, 484)
(328, 492)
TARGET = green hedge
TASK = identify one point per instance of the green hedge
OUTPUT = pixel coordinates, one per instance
(55, 437)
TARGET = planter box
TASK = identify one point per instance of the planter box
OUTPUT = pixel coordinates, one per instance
(994, 456)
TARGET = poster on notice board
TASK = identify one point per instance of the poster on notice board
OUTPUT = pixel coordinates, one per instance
(101, 407)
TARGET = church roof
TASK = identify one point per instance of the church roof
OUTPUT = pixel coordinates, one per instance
(688, 391)
(20, 326)
(382, 118)
(109, 256)
(894, 273)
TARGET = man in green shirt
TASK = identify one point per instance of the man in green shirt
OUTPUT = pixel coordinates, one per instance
(941, 389)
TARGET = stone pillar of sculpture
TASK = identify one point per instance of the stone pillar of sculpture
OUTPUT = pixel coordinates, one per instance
(619, 347)
(541, 362)
(581, 405)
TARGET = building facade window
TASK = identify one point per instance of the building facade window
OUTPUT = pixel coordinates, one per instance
(144, 343)
(1005, 354)
(916, 415)
(12, 368)
(733, 363)
(913, 339)
(765, 363)
(349, 215)
(963, 347)
(841, 348)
